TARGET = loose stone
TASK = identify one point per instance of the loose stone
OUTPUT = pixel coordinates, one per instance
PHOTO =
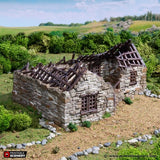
(107, 144)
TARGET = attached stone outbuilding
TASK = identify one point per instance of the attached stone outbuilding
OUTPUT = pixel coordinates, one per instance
(83, 88)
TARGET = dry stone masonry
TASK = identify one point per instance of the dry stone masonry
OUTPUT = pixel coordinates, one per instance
(81, 89)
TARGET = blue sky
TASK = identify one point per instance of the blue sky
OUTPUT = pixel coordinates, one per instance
(33, 12)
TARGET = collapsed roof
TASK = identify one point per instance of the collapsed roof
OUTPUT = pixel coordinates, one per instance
(125, 53)
(66, 78)
(63, 78)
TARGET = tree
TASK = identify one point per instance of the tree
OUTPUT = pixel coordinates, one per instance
(56, 44)
(70, 35)
(69, 46)
(125, 35)
(149, 57)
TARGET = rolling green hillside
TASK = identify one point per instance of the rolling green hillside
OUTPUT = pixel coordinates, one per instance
(143, 25)
(92, 27)
(95, 27)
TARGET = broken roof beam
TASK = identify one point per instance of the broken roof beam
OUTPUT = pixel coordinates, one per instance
(133, 46)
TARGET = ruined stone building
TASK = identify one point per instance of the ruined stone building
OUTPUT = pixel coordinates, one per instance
(84, 88)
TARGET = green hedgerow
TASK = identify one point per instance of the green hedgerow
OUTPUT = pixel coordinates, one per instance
(86, 124)
(127, 100)
(72, 127)
(5, 118)
(20, 121)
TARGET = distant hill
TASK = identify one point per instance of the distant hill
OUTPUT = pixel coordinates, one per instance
(88, 28)
(94, 27)
(69, 25)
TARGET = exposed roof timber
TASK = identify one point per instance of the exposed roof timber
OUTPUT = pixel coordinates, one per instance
(119, 52)
(56, 77)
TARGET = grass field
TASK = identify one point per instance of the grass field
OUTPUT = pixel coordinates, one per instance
(127, 119)
(55, 57)
(109, 152)
(92, 27)
(35, 132)
(143, 25)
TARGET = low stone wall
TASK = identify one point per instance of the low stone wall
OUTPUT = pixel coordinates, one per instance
(47, 100)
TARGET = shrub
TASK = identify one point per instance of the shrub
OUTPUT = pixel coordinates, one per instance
(127, 100)
(72, 127)
(106, 115)
(156, 150)
(86, 124)
(154, 88)
(139, 154)
(5, 65)
(15, 55)
(55, 150)
(5, 118)
(1, 69)
(20, 122)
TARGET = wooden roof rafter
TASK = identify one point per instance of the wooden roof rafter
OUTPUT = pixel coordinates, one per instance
(55, 77)
(125, 53)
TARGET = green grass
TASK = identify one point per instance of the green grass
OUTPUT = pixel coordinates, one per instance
(92, 27)
(55, 57)
(106, 115)
(143, 25)
(25, 136)
(35, 132)
(105, 153)
(154, 85)
(6, 85)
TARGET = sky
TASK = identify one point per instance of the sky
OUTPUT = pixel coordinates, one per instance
(21, 13)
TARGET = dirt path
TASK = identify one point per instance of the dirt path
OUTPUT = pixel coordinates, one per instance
(143, 116)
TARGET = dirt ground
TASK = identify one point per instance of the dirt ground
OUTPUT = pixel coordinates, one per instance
(143, 116)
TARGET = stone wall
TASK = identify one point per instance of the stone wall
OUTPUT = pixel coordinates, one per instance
(47, 100)
(64, 107)
(90, 83)
(110, 71)
(125, 86)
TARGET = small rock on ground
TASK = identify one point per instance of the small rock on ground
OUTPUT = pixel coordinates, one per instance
(38, 142)
(19, 146)
(89, 150)
(151, 142)
(73, 157)
(63, 158)
(44, 141)
(107, 144)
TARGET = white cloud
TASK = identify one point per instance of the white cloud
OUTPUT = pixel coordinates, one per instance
(81, 11)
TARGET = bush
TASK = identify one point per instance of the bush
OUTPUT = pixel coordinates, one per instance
(20, 122)
(5, 118)
(55, 150)
(86, 124)
(5, 65)
(154, 89)
(1, 69)
(156, 150)
(139, 154)
(72, 127)
(106, 115)
(15, 55)
(127, 100)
